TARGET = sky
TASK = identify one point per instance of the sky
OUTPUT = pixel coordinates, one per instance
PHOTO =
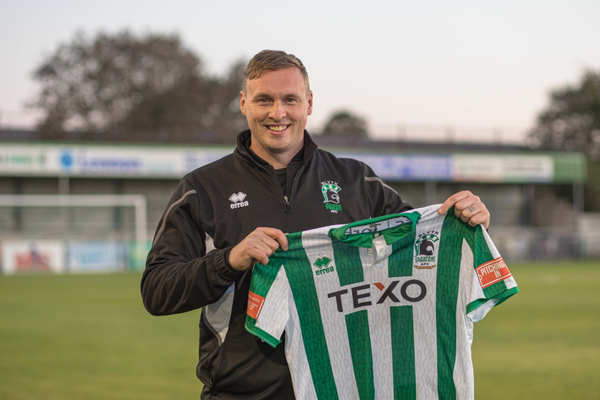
(462, 69)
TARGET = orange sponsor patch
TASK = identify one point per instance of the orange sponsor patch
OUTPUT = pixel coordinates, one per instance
(255, 304)
(492, 272)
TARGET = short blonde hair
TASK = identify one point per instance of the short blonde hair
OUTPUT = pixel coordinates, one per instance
(272, 60)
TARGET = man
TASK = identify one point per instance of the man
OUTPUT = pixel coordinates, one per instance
(273, 183)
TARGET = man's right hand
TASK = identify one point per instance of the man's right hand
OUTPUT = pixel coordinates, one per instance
(257, 247)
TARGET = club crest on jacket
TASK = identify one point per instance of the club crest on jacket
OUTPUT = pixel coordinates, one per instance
(331, 194)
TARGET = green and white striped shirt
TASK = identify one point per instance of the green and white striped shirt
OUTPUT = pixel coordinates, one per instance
(381, 308)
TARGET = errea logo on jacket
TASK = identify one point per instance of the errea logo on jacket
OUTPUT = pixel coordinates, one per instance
(238, 200)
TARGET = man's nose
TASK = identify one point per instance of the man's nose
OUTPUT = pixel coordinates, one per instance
(277, 111)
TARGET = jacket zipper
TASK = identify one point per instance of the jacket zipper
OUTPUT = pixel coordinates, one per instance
(288, 204)
(274, 178)
(296, 178)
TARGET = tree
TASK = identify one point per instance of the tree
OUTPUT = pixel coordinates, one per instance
(134, 88)
(571, 122)
(195, 110)
(572, 119)
(345, 123)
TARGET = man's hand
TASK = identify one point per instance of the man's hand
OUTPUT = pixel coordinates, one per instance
(468, 208)
(257, 247)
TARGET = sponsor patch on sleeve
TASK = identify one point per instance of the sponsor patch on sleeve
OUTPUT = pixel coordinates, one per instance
(492, 272)
(255, 304)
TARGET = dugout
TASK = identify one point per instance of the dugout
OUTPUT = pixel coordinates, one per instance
(92, 202)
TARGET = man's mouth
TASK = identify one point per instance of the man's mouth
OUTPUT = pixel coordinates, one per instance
(277, 128)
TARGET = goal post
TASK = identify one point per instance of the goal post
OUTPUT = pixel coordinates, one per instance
(14, 207)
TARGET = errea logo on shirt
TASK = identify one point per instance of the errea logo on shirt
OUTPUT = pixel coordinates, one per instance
(323, 265)
(238, 200)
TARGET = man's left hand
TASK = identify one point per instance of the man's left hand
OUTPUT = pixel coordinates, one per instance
(468, 208)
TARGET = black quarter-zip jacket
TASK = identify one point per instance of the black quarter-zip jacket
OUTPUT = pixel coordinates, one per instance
(227, 200)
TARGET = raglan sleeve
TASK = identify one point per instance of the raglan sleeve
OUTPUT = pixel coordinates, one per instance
(180, 275)
(489, 279)
(268, 302)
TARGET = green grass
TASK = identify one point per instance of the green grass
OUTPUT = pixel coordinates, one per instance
(89, 337)
(543, 343)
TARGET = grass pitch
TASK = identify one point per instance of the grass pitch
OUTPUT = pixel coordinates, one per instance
(544, 342)
(89, 337)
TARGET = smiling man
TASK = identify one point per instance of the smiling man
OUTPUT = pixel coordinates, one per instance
(275, 181)
(277, 105)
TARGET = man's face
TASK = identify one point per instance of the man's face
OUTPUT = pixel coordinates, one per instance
(277, 106)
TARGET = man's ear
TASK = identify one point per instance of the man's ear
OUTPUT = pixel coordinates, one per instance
(242, 102)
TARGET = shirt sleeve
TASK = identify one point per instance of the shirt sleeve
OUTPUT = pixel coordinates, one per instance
(268, 303)
(491, 282)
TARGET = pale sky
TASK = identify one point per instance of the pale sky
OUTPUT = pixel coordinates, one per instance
(477, 66)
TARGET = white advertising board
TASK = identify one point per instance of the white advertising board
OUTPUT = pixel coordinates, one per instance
(32, 256)
(97, 256)
(503, 168)
(99, 160)
(174, 162)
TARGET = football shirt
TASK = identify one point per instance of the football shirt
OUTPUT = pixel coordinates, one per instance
(380, 308)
